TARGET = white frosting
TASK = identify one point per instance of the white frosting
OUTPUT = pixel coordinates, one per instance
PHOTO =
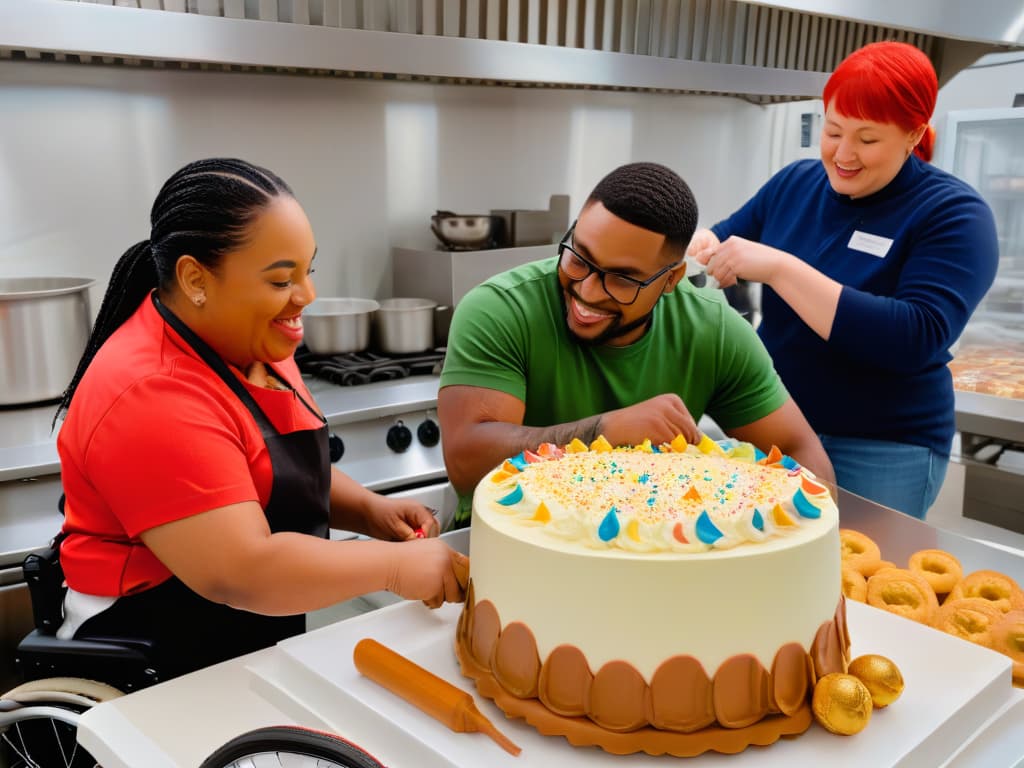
(646, 606)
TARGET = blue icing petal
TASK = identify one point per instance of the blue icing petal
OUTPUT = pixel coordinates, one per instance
(706, 530)
(789, 462)
(804, 507)
(759, 454)
(519, 462)
(758, 521)
(609, 526)
(513, 498)
(643, 478)
(655, 449)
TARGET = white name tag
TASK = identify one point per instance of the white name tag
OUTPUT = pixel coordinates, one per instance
(873, 244)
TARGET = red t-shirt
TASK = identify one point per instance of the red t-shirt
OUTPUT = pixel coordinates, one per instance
(153, 435)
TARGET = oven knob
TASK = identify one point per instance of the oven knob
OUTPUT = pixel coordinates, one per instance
(399, 437)
(336, 447)
(429, 433)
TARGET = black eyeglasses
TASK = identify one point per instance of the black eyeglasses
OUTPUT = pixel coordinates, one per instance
(621, 288)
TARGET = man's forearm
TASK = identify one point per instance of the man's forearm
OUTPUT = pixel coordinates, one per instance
(484, 445)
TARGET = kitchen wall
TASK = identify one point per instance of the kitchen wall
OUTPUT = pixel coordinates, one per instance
(84, 149)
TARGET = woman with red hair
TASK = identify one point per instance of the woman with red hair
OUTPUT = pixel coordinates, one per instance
(871, 261)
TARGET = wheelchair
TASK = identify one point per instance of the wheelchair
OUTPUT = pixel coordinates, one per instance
(64, 678)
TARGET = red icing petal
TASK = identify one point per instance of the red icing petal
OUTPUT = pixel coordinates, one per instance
(531, 457)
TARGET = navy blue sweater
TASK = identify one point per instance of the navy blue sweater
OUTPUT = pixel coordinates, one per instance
(883, 372)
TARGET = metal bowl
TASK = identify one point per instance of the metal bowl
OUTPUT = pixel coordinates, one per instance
(335, 326)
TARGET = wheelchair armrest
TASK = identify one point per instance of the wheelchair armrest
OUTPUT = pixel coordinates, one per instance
(37, 642)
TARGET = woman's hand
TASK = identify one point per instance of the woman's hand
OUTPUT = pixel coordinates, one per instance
(400, 520)
(702, 246)
(738, 258)
(430, 571)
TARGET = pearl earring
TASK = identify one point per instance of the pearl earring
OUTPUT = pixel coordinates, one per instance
(199, 299)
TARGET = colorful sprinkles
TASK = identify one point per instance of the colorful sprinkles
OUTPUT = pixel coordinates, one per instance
(707, 496)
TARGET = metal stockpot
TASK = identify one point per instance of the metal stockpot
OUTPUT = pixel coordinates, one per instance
(335, 326)
(44, 328)
(406, 325)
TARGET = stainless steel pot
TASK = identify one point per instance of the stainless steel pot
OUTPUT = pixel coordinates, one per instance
(44, 327)
(406, 325)
(334, 326)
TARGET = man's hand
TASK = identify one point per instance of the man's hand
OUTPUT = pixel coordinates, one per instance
(660, 419)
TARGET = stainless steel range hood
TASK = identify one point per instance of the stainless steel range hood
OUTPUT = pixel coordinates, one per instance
(759, 51)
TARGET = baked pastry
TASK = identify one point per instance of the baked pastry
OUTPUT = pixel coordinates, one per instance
(904, 593)
(860, 551)
(993, 586)
(939, 568)
(855, 586)
(669, 599)
(969, 618)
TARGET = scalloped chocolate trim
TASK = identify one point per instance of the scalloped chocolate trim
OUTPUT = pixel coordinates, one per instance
(682, 712)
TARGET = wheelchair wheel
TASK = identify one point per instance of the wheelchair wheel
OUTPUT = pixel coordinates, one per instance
(38, 722)
(291, 746)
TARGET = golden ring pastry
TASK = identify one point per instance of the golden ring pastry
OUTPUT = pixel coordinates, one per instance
(904, 593)
(855, 586)
(869, 571)
(941, 569)
(993, 586)
(860, 552)
(1008, 638)
(969, 618)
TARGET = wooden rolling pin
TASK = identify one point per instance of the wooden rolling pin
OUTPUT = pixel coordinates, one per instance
(425, 690)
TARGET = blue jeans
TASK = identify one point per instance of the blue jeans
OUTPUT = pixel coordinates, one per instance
(900, 476)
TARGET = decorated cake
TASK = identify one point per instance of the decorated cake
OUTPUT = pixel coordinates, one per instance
(666, 599)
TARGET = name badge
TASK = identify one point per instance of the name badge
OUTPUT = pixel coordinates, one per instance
(876, 245)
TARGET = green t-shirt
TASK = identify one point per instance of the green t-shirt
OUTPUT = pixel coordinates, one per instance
(510, 334)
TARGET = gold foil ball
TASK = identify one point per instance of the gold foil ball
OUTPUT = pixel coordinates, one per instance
(881, 676)
(842, 703)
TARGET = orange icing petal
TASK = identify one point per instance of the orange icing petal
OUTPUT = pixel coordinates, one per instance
(679, 534)
(509, 467)
(500, 475)
(531, 457)
(692, 494)
(542, 515)
(774, 456)
(550, 451)
(810, 486)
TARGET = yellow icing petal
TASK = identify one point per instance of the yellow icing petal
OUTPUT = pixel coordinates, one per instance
(510, 468)
(781, 517)
(678, 443)
(633, 529)
(707, 445)
(601, 445)
(576, 446)
(500, 475)
(542, 515)
(645, 446)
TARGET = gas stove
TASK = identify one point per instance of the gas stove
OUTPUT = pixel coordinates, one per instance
(355, 368)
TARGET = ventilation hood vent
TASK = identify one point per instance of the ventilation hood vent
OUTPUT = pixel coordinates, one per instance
(762, 52)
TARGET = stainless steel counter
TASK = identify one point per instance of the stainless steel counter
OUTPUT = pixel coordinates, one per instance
(997, 417)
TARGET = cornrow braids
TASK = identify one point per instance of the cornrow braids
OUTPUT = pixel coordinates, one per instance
(203, 210)
(651, 196)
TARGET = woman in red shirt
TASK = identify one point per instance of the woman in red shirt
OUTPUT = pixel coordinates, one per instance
(199, 491)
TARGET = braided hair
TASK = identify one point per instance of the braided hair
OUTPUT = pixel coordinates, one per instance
(651, 196)
(203, 210)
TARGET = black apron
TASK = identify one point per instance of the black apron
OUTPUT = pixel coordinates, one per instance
(184, 631)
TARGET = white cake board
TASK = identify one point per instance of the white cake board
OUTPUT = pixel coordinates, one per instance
(952, 689)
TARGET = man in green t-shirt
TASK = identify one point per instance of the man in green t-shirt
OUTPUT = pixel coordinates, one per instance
(608, 338)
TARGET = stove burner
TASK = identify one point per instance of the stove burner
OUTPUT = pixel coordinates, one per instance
(355, 368)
